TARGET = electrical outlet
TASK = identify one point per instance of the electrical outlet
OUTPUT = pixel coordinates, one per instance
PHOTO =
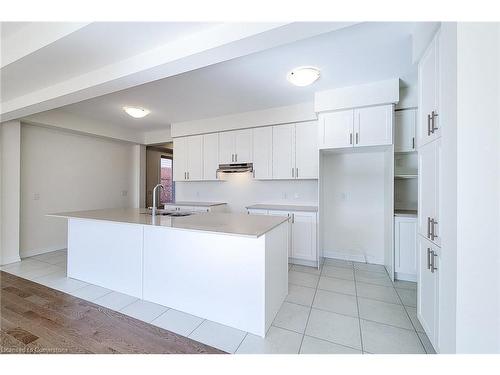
(36, 196)
(124, 193)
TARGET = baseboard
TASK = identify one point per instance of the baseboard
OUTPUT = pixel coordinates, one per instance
(10, 261)
(405, 276)
(33, 252)
(302, 262)
(352, 257)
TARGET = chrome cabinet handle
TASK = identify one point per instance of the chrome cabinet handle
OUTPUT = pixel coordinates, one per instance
(428, 227)
(428, 124)
(293, 218)
(185, 176)
(357, 137)
(433, 229)
(232, 157)
(350, 138)
(433, 264)
(293, 172)
(413, 143)
(433, 122)
(188, 175)
(236, 157)
(428, 258)
(297, 172)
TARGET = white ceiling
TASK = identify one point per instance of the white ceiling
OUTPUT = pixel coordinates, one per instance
(357, 54)
(96, 45)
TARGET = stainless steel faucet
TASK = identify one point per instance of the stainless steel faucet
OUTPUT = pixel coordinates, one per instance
(154, 198)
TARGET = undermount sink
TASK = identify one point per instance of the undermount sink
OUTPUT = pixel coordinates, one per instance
(161, 212)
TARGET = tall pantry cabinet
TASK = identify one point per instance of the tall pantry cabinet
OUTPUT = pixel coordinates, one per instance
(429, 156)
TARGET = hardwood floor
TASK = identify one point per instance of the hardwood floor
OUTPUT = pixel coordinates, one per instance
(37, 319)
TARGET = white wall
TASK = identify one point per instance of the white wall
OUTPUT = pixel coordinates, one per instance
(240, 190)
(64, 171)
(353, 205)
(10, 133)
(478, 188)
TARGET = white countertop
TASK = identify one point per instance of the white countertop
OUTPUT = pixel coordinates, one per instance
(225, 223)
(282, 207)
(195, 204)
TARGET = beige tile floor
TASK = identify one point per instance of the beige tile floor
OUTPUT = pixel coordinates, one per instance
(343, 308)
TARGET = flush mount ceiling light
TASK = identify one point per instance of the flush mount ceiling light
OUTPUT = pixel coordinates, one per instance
(136, 112)
(303, 75)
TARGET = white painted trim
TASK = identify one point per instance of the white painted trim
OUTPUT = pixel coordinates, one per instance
(369, 94)
(39, 251)
(405, 276)
(351, 257)
(244, 120)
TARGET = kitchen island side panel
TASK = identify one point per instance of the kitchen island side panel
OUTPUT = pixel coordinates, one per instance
(106, 254)
(214, 276)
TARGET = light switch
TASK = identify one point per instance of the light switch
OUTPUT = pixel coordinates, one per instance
(36, 196)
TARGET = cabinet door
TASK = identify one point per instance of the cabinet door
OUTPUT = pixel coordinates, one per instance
(304, 236)
(404, 130)
(284, 151)
(405, 245)
(263, 152)
(180, 159)
(226, 147)
(428, 100)
(210, 156)
(243, 142)
(373, 126)
(306, 150)
(195, 158)
(336, 129)
(428, 288)
(289, 239)
(428, 191)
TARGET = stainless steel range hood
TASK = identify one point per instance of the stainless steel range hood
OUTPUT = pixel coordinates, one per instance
(235, 168)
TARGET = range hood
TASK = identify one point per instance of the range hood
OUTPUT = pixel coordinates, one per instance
(235, 168)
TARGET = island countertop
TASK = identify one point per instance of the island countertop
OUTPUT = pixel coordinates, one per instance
(223, 223)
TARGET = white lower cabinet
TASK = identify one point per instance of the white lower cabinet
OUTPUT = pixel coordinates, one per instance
(303, 234)
(428, 288)
(405, 248)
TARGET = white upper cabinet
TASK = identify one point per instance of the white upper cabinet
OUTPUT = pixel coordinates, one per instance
(235, 146)
(373, 126)
(335, 129)
(180, 159)
(188, 158)
(195, 158)
(404, 130)
(295, 151)
(284, 151)
(428, 97)
(263, 152)
(210, 156)
(429, 157)
(243, 145)
(370, 126)
(226, 148)
(306, 150)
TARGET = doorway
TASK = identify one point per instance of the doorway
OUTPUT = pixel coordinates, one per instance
(159, 170)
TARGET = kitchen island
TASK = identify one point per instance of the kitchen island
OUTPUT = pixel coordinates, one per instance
(228, 268)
